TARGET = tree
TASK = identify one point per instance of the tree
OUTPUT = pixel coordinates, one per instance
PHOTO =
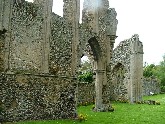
(149, 70)
(161, 73)
(85, 72)
(157, 71)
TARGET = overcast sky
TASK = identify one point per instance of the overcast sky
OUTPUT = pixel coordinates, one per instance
(143, 17)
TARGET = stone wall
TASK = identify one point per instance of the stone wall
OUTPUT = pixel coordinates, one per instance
(2, 43)
(150, 85)
(60, 47)
(33, 97)
(119, 85)
(86, 93)
(28, 91)
(26, 37)
(127, 68)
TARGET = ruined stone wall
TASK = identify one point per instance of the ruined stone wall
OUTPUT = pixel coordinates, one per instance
(26, 37)
(119, 85)
(121, 54)
(33, 97)
(86, 93)
(5, 12)
(120, 65)
(25, 94)
(150, 85)
(127, 68)
(60, 46)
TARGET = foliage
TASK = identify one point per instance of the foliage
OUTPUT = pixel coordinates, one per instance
(82, 117)
(161, 71)
(86, 77)
(162, 88)
(149, 71)
(86, 74)
(157, 71)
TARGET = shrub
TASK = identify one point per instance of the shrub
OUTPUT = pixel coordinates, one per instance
(82, 117)
(86, 77)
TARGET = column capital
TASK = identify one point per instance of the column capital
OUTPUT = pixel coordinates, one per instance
(112, 37)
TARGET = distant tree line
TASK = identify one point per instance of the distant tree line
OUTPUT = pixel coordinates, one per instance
(156, 71)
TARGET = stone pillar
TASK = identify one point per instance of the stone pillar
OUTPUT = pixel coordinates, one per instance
(47, 12)
(7, 51)
(5, 25)
(99, 86)
(5, 14)
(2, 42)
(110, 46)
(71, 14)
(91, 15)
(136, 70)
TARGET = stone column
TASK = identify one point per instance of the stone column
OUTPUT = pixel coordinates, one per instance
(5, 14)
(47, 12)
(5, 24)
(99, 86)
(136, 70)
(71, 13)
(110, 46)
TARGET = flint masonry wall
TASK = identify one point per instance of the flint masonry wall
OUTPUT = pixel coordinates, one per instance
(129, 55)
(26, 92)
(33, 97)
(2, 43)
(26, 37)
(150, 85)
(86, 92)
(60, 47)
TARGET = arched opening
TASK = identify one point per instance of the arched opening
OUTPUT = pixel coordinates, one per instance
(119, 86)
(86, 70)
(92, 91)
(86, 89)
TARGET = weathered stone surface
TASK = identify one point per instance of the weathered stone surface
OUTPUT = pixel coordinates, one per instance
(41, 52)
(2, 52)
(151, 86)
(86, 93)
(37, 41)
(60, 46)
(118, 91)
(26, 37)
(96, 21)
(33, 97)
(129, 55)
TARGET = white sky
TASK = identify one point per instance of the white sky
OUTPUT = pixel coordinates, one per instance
(143, 17)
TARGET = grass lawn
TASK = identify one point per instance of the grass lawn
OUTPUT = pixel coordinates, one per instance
(124, 113)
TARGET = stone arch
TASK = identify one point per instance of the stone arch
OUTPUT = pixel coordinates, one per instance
(93, 49)
(119, 90)
(130, 53)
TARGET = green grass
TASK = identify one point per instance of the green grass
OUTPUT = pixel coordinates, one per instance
(124, 113)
